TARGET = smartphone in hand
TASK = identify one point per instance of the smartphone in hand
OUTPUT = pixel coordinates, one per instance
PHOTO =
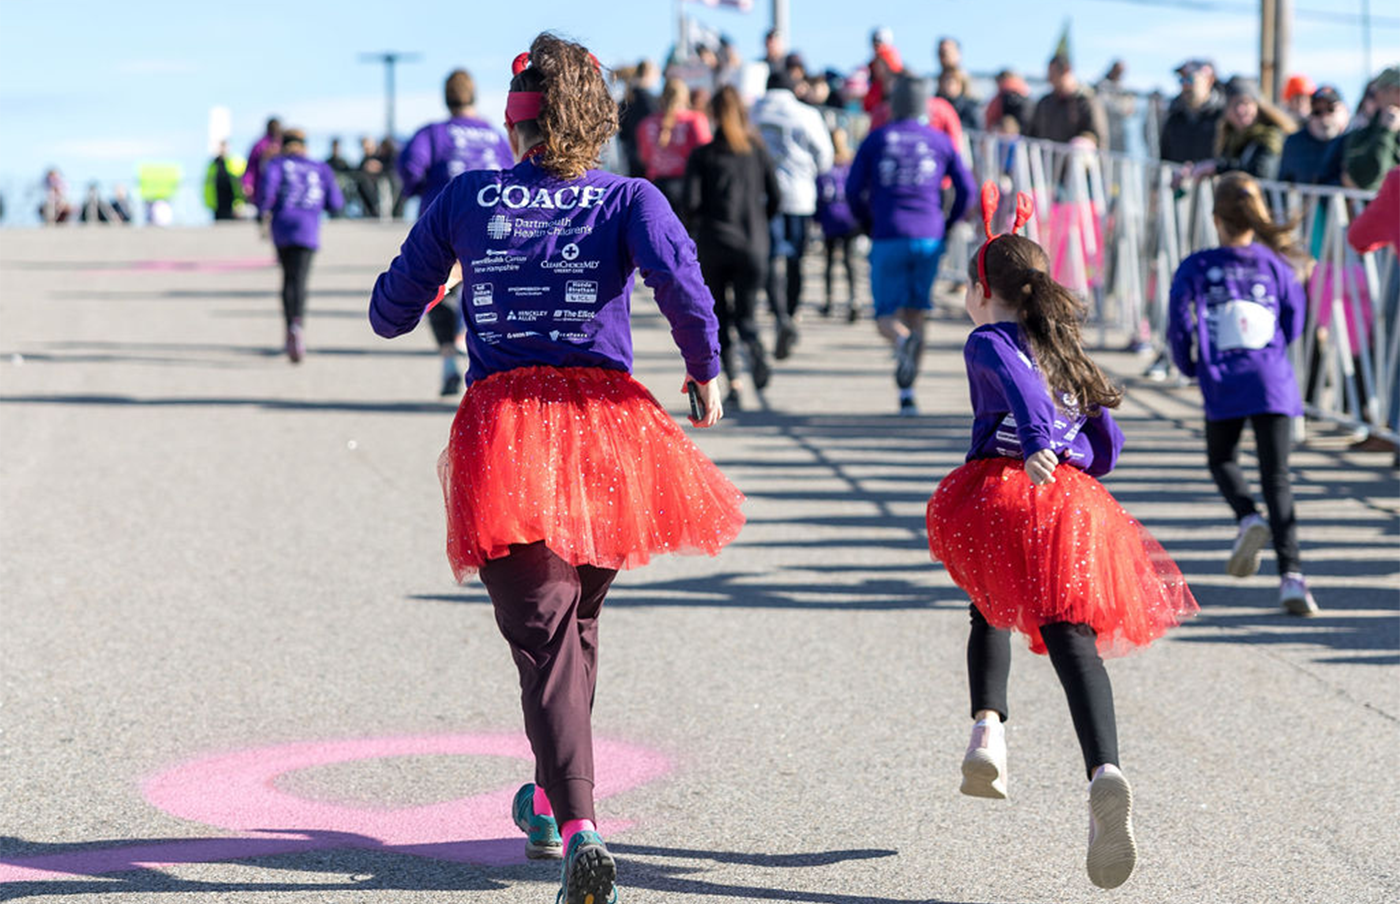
(697, 404)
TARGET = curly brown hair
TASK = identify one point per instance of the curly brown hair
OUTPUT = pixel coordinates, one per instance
(1049, 316)
(577, 114)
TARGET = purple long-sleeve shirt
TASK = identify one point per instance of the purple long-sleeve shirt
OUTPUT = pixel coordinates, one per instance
(896, 179)
(833, 210)
(441, 151)
(1014, 415)
(547, 268)
(1233, 313)
(295, 190)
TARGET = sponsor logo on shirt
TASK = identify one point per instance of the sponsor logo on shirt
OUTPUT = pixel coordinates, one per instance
(521, 335)
(489, 338)
(556, 335)
(580, 291)
(485, 316)
(498, 262)
(527, 316)
(482, 295)
(499, 226)
(572, 315)
(528, 291)
(570, 262)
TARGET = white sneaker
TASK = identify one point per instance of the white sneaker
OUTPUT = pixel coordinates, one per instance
(1249, 542)
(984, 766)
(1294, 596)
(1112, 849)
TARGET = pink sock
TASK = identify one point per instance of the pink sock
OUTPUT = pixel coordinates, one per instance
(571, 828)
(542, 807)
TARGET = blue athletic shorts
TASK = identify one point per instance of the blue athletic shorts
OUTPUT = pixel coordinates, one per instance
(902, 273)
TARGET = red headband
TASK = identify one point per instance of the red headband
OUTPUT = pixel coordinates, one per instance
(991, 199)
(523, 106)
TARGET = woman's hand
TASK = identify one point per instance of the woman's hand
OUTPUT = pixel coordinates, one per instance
(1040, 467)
(709, 396)
(454, 279)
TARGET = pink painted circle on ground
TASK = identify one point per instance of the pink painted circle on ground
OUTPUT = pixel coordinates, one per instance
(238, 791)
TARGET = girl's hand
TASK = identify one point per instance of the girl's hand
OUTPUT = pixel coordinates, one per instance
(1040, 467)
(709, 395)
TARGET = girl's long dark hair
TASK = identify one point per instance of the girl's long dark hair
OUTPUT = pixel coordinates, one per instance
(577, 115)
(1049, 316)
(731, 120)
(1240, 207)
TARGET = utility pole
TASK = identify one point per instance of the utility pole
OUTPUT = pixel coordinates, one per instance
(1269, 86)
(781, 22)
(1366, 37)
(389, 59)
(1283, 37)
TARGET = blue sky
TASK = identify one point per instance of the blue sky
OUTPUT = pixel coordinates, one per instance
(93, 86)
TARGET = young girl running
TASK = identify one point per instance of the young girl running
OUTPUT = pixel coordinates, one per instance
(839, 225)
(560, 468)
(294, 191)
(1036, 542)
(1234, 310)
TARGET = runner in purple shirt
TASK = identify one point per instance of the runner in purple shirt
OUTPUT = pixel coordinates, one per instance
(264, 149)
(1234, 311)
(560, 468)
(839, 225)
(895, 187)
(1038, 544)
(295, 190)
(435, 155)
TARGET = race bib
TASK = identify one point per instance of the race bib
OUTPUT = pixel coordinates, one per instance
(1239, 324)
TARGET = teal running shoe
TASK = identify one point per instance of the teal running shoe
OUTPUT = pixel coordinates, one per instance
(590, 873)
(542, 840)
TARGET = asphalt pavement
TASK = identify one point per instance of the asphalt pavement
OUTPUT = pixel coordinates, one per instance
(234, 665)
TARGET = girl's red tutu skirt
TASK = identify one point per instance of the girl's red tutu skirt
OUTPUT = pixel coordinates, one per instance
(1064, 552)
(584, 459)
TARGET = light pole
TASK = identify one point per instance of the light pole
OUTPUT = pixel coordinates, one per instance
(389, 59)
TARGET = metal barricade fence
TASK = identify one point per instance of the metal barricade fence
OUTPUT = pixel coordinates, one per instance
(1116, 227)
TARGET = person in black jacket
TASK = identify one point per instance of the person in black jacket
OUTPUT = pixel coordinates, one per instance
(637, 104)
(730, 195)
(1193, 120)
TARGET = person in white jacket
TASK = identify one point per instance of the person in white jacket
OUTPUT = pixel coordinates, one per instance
(797, 140)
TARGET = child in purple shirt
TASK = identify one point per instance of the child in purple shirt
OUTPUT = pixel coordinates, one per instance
(560, 468)
(435, 155)
(1037, 543)
(294, 191)
(1234, 311)
(839, 225)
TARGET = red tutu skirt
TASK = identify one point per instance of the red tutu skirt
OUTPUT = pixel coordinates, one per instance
(584, 459)
(1064, 552)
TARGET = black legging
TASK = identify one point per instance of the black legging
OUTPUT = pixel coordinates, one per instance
(733, 278)
(296, 266)
(1076, 659)
(1273, 437)
(840, 244)
(443, 318)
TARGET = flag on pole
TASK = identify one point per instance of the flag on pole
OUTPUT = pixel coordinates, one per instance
(742, 6)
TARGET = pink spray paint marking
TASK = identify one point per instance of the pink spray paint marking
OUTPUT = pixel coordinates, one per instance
(238, 792)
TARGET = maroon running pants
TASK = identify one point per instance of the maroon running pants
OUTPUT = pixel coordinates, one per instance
(548, 611)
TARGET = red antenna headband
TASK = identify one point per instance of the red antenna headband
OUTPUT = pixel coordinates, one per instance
(991, 199)
(523, 106)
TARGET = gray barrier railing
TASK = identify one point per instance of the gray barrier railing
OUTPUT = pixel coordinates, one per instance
(1116, 228)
